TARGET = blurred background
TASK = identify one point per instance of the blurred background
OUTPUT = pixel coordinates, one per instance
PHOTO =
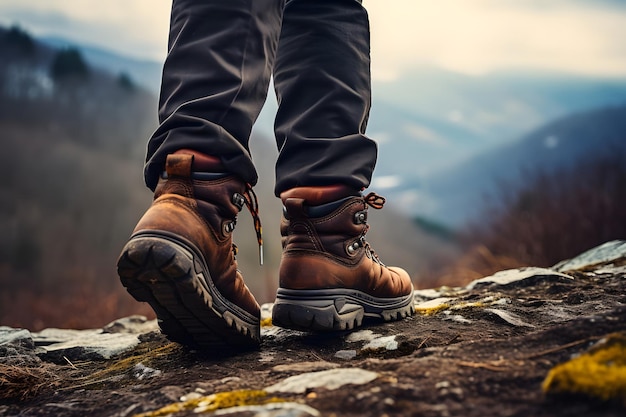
(501, 127)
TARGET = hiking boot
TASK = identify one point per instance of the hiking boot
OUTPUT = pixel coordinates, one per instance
(330, 278)
(181, 260)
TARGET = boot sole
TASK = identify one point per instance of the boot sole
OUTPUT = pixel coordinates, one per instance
(335, 309)
(169, 274)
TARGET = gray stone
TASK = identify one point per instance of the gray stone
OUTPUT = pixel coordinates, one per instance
(131, 325)
(607, 252)
(119, 336)
(427, 294)
(456, 317)
(53, 335)
(374, 340)
(345, 354)
(305, 366)
(509, 317)
(230, 379)
(330, 379)
(16, 337)
(59, 344)
(278, 334)
(17, 347)
(611, 269)
(361, 336)
(519, 277)
(382, 343)
(141, 372)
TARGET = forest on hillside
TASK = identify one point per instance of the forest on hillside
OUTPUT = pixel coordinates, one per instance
(73, 139)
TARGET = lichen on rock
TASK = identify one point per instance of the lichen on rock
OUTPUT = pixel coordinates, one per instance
(598, 373)
(214, 402)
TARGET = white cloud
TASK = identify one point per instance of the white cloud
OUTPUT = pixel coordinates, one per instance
(133, 27)
(480, 36)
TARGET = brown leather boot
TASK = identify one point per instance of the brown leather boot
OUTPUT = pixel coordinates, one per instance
(330, 278)
(181, 259)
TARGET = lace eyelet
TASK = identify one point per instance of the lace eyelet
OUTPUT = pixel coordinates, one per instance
(228, 227)
(239, 201)
(352, 248)
(360, 217)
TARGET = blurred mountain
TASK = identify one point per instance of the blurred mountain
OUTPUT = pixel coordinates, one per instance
(432, 127)
(430, 120)
(461, 193)
(145, 73)
(72, 139)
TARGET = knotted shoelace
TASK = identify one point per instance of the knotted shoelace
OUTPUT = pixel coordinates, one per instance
(253, 206)
(377, 202)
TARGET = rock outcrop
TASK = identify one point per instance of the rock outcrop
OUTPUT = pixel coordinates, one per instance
(509, 344)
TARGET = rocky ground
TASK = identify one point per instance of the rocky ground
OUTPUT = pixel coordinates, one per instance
(530, 342)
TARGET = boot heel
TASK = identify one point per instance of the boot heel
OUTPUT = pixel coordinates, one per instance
(300, 310)
(307, 318)
(169, 276)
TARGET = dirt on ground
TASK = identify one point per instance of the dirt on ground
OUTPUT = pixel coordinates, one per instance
(481, 350)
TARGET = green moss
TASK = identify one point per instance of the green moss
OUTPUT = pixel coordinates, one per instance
(598, 373)
(215, 402)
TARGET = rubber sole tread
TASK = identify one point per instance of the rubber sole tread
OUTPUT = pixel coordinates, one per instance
(335, 310)
(171, 277)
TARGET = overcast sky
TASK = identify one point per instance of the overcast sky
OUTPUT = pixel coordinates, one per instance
(467, 36)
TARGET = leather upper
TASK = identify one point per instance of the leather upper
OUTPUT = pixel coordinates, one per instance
(204, 213)
(331, 252)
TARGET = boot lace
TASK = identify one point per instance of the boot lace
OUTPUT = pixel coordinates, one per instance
(249, 199)
(252, 203)
(377, 202)
(374, 200)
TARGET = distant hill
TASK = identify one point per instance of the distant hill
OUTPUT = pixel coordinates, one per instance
(144, 72)
(429, 119)
(459, 194)
(73, 138)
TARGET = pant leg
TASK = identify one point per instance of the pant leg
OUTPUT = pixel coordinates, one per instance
(215, 81)
(323, 86)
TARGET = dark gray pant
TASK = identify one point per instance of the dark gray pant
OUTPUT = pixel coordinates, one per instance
(216, 76)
